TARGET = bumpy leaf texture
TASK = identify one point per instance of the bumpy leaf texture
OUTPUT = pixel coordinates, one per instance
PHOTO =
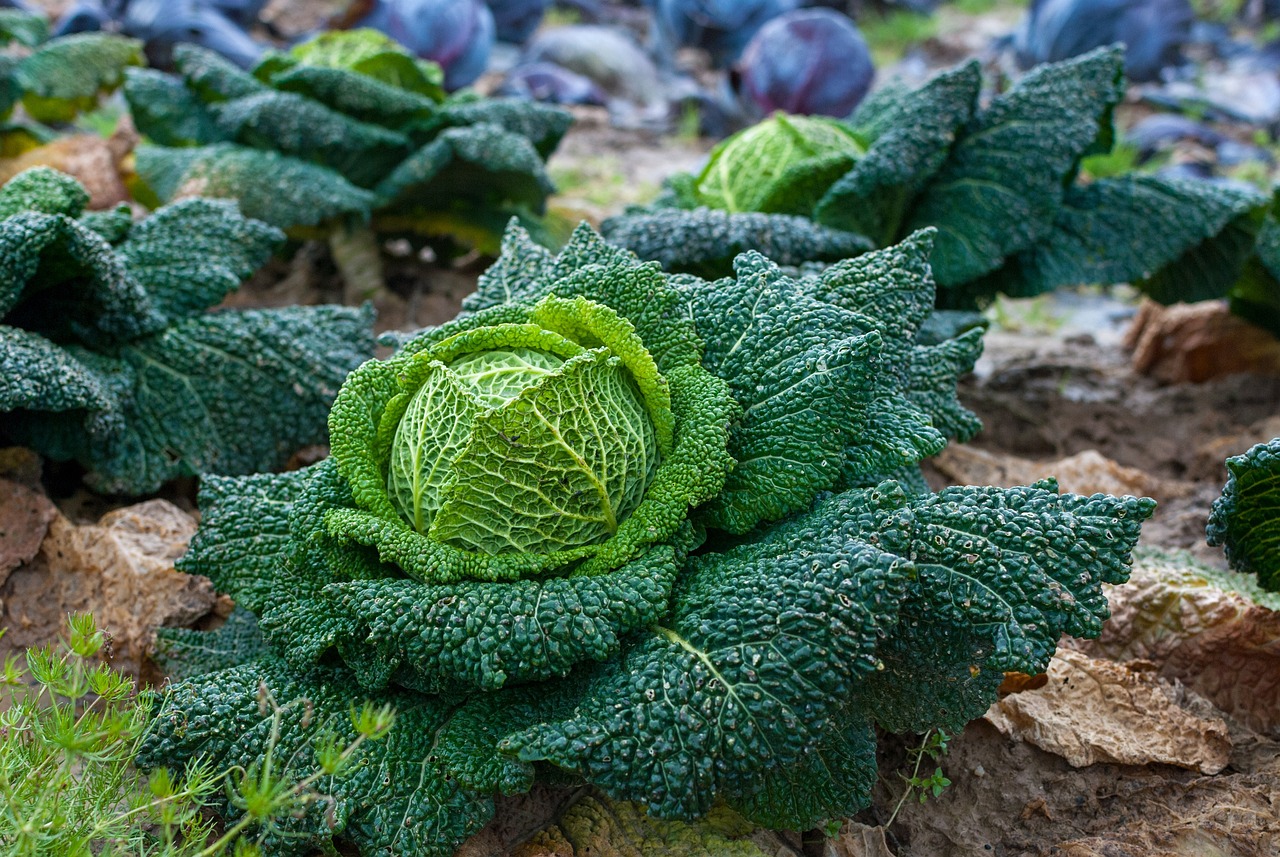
(1245, 520)
(337, 129)
(111, 360)
(746, 666)
(998, 183)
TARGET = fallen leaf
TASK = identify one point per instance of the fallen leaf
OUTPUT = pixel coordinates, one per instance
(1095, 711)
(1198, 342)
(1215, 631)
(91, 159)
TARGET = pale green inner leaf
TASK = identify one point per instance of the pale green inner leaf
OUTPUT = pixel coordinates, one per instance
(559, 466)
(434, 429)
(498, 376)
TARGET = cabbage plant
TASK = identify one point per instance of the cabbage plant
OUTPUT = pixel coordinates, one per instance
(658, 534)
(1001, 183)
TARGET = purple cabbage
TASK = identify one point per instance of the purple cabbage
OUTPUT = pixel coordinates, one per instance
(515, 20)
(721, 27)
(553, 84)
(1152, 31)
(812, 61)
(218, 25)
(457, 34)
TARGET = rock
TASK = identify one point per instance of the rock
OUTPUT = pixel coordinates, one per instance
(120, 570)
(1198, 342)
(1095, 711)
(25, 515)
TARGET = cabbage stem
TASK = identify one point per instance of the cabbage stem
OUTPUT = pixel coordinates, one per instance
(358, 257)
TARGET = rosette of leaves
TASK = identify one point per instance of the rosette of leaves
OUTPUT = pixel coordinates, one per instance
(108, 358)
(53, 80)
(1245, 520)
(346, 136)
(1001, 183)
(640, 530)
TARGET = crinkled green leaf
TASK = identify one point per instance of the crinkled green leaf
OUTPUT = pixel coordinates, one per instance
(183, 653)
(358, 96)
(392, 800)
(22, 27)
(482, 161)
(543, 125)
(189, 255)
(298, 127)
(212, 77)
(226, 393)
(282, 191)
(1178, 240)
(367, 53)
(112, 225)
(166, 111)
(37, 375)
(1255, 297)
(65, 76)
(243, 540)
(743, 678)
(705, 241)
(1002, 185)
(65, 282)
(803, 371)
(1246, 519)
(912, 133)
(43, 190)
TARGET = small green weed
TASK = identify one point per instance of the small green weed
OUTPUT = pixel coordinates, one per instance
(933, 747)
(890, 36)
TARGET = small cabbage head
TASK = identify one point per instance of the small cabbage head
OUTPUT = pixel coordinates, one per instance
(781, 165)
(536, 437)
(569, 432)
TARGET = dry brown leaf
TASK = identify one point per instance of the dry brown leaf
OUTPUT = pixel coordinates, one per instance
(857, 840)
(120, 570)
(1088, 472)
(1203, 627)
(1094, 711)
(25, 515)
(1198, 342)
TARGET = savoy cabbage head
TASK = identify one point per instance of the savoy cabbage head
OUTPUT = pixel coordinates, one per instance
(1000, 182)
(107, 356)
(659, 534)
(340, 129)
(1245, 520)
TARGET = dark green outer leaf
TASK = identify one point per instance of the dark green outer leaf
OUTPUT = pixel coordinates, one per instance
(541, 124)
(912, 134)
(1256, 296)
(243, 539)
(183, 653)
(22, 27)
(763, 645)
(211, 77)
(284, 192)
(393, 801)
(43, 190)
(705, 241)
(1246, 519)
(1001, 188)
(480, 161)
(358, 96)
(228, 393)
(803, 371)
(294, 126)
(65, 76)
(1138, 229)
(84, 290)
(166, 111)
(37, 375)
(189, 255)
